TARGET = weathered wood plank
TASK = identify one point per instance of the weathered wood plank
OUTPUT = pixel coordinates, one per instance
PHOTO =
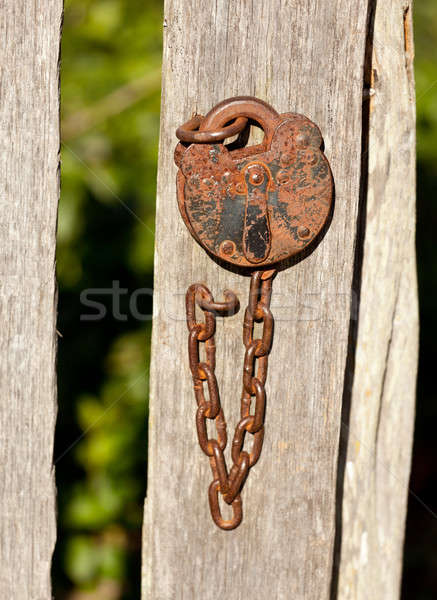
(381, 420)
(307, 57)
(29, 183)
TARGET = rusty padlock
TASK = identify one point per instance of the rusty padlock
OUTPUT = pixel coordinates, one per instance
(252, 207)
(259, 205)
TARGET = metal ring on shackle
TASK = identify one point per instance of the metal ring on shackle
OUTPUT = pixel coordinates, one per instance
(191, 131)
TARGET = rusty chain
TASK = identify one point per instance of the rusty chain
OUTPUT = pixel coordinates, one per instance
(254, 378)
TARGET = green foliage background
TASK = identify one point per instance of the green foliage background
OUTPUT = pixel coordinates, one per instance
(420, 565)
(111, 61)
(111, 57)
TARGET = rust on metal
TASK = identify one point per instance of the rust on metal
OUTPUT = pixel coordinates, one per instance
(258, 309)
(252, 207)
(189, 132)
(259, 205)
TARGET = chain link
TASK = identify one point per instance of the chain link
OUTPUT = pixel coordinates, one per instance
(254, 378)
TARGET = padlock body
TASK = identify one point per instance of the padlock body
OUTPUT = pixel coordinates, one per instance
(256, 208)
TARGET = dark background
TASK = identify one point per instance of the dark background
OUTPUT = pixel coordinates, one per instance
(111, 60)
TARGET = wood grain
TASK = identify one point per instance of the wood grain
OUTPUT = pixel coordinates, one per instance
(380, 426)
(306, 57)
(29, 183)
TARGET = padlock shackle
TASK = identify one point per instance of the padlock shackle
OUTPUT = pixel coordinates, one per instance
(243, 106)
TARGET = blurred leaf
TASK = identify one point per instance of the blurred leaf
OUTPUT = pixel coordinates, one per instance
(82, 560)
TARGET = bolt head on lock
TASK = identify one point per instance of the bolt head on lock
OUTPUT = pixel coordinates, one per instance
(259, 205)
